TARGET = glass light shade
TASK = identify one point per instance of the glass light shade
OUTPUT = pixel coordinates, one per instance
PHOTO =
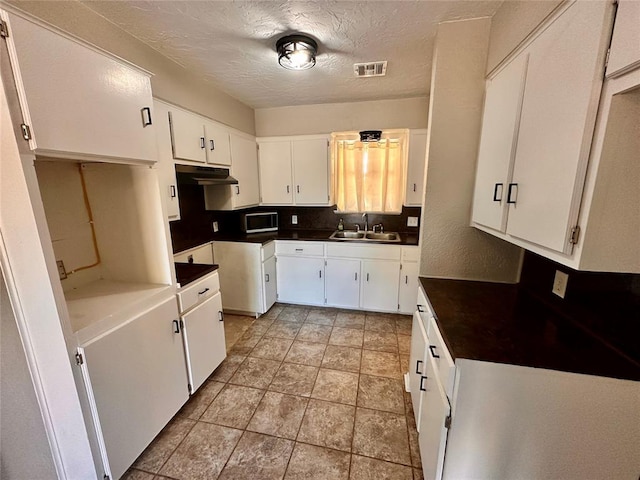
(297, 52)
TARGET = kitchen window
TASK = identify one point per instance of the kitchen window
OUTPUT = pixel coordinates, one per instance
(369, 176)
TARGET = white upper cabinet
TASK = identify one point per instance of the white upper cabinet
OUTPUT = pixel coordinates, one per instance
(217, 143)
(198, 139)
(625, 44)
(543, 150)
(166, 169)
(294, 170)
(79, 101)
(415, 168)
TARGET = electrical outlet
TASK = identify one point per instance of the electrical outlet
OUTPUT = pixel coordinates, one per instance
(294, 219)
(412, 221)
(560, 283)
(215, 227)
(62, 272)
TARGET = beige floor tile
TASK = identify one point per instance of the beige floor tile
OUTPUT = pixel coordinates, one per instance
(273, 312)
(259, 327)
(156, 454)
(381, 393)
(283, 330)
(245, 344)
(308, 462)
(380, 341)
(293, 314)
(350, 320)
(294, 379)
(271, 348)
(234, 406)
(404, 344)
(279, 415)
(404, 324)
(227, 368)
(203, 453)
(133, 474)
(404, 363)
(346, 337)
(381, 435)
(258, 456)
(234, 327)
(382, 364)
(363, 468)
(342, 358)
(417, 474)
(306, 353)
(255, 372)
(336, 386)
(414, 446)
(380, 323)
(328, 424)
(321, 316)
(200, 401)
(310, 332)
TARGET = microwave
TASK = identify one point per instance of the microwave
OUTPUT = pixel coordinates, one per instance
(260, 222)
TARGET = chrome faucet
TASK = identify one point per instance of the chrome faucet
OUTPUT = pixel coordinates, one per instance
(366, 221)
(357, 227)
(379, 225)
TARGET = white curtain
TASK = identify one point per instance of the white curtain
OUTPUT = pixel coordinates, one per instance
(369, 176)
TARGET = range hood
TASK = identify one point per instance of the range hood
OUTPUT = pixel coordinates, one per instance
(193, 175)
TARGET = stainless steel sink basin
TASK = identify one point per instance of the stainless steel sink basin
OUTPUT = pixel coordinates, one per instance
(347, 235)
(383, 237)
(390, 237)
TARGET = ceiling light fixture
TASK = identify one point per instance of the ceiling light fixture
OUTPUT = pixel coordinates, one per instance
(297, 52)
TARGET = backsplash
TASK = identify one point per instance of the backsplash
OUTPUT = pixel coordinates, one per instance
(607, 304)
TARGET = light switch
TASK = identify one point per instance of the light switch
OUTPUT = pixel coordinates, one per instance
(412, 221)
(294, 219)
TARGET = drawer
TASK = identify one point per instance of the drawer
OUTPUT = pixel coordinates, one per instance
(410, 254)
(198, 291)
(202, 254)
(373, 252)
(268, 250)
(442, 359)
(423, 307)
(306, 249)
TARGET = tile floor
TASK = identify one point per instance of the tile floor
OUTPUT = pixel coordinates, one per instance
(305, 393)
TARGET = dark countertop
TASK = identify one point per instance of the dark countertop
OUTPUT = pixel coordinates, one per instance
(504, 323)
(189, 272)
(182, 244)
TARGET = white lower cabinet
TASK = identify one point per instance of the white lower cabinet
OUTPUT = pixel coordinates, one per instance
(270, 291)
(342, 282)
(301, 280)
(380, 288)
(417, 365)
(408, 287)
(136, 381)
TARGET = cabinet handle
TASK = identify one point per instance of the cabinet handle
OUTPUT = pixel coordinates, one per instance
(202, 142)
(266, 277)
(418, 367)
(495, 192)
(406, 279)
(367, 277)
(288, 191)
(414, 187)
(146, 117)
(431, 349)
(299, 249)
(320, 273)
(176, 326)
(511, 185)
(172, 191)
(356, 276)
(420, 308)
(213, 145)
(237, 189)
(220, 316)
(422, 379)
(297, 188)
(203, 291)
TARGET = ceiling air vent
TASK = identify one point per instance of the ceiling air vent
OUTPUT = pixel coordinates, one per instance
(371, 69)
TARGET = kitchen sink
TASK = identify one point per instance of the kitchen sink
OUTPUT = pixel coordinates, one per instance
(390, 237)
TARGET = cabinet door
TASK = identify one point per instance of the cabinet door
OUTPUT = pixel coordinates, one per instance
(240, 278)
(217, 143)
(415, 169)
(275, 173)
(270, 282)
(187, 136)
(136, 381)
(417, 365)
(166, 168)
(408, 288)
(203, 330)
(343, 282)
(311, 171)
(300, 280)
(380, 285)
(78, 100)
(564, 79)
(433, 429)
(625, 43)
(502, 104)
(244, 157)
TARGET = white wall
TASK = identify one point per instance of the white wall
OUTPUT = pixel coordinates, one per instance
(170, 82)
(450, 247)
(24, 447)
(340, 117)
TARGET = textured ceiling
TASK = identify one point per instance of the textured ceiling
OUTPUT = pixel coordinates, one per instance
(232, 43)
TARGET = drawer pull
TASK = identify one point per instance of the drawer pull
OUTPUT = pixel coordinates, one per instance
(172, 191)
(176, 326)
(220, 316)
(431, 349)
(420, 308)
(495, 192)
(287, 188)
(418, 367)
(511, 185)
(422, 379)
(213, 145)
(356, 276)
(202, 142)
(266, 277)
(299, 249)
(146, 117)
(203, 291)
(320, 271)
